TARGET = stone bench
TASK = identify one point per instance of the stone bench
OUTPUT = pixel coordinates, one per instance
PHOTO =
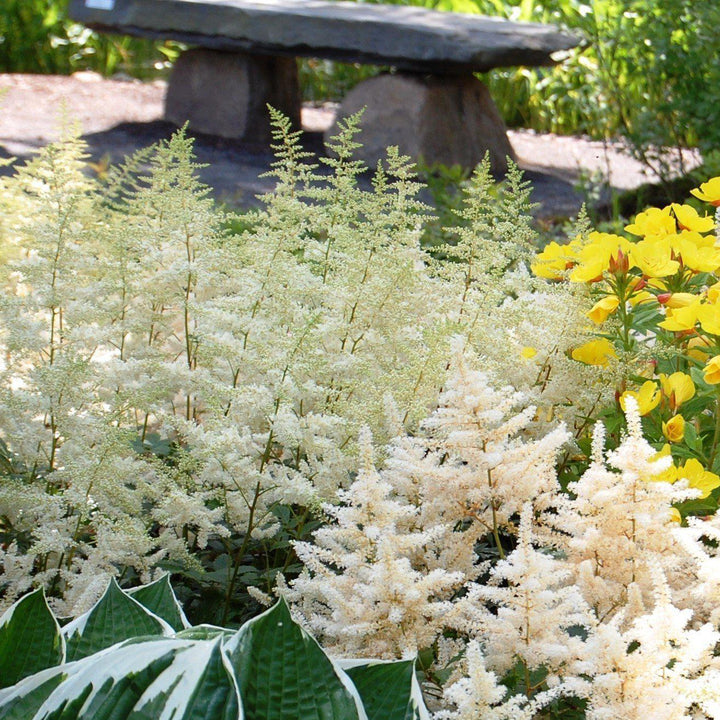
(243, 58)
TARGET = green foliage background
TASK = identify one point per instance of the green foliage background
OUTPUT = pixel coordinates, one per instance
(36, 36)
(644, 69)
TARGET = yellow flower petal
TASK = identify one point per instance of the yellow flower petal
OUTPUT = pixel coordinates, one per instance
(711, 373)
(709, 191)
(682, 318)
(654, 222)
(595, 352)
(654, 258)
(647, 397)
(678, 388)
(603, 308)
(689, 219)
(698, 477)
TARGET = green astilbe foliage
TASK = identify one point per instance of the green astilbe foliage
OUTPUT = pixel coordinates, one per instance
(174, 394)
(136, 664)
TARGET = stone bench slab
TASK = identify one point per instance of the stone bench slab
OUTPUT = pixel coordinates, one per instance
(408, 38)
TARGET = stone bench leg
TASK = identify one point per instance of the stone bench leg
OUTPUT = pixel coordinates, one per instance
(227, 93)
(442, 119)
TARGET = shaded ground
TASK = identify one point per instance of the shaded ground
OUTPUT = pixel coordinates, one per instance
(118, 117)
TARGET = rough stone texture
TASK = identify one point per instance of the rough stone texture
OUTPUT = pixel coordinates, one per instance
(450, 120)
(227, 94)
(409, 38)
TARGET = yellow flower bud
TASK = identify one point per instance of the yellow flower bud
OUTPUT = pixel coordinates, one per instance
(680, 299)
(698, 348)
(674, 429)
(528, 352)
(711, 373)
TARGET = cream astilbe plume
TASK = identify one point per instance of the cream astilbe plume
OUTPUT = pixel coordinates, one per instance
(360, 592)
(475, 471)
(536, 605)
(479, 696)
(616, 520)
(657, 667)
(701, 541)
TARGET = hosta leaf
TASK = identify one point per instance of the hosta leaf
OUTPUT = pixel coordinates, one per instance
(152, 679)
(30, 639)
(22, 701)
(389, 689)
(204, 632)
(158, 597)
(114, 618)
(283, 674)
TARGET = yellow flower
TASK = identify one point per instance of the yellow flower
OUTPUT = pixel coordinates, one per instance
(653, 223)
(654, 258)
(675, 515)
(603, 251)
(713, 293)
(674, 429)
(552, 262)
(711, 373)
(682, 318)
(680, 299)
(688, 218)
(603, 308)
(595, 352)
(647, 397)
(709, 318)
(696, 253)
(528, 352)
(698, 348)
(698, 477)
(709, 191)
(678, 388)
(669, 475)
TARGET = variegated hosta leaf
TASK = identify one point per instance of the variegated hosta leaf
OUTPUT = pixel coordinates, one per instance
(114, 618)
(389, 689)
(283, 673)
(30, 639)
(155, 679)
(158, 597)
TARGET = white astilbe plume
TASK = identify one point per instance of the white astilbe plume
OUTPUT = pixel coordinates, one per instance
(705, 593)
(536, 605)
(471, 468)
(360, 592)
(479, 695)
(616, 520)
(656, 668)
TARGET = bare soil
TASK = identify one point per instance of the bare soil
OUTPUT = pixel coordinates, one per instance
(119, 116)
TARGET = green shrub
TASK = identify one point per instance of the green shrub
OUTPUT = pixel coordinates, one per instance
(133, 655)
(36, 36)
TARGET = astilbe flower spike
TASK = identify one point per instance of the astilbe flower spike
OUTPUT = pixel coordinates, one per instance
(360, 592)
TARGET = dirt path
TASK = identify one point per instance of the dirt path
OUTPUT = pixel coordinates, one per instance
(118, 117)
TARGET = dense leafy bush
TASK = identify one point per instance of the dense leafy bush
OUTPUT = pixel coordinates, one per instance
(133, 655)
(36, 36)
(644, 69)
